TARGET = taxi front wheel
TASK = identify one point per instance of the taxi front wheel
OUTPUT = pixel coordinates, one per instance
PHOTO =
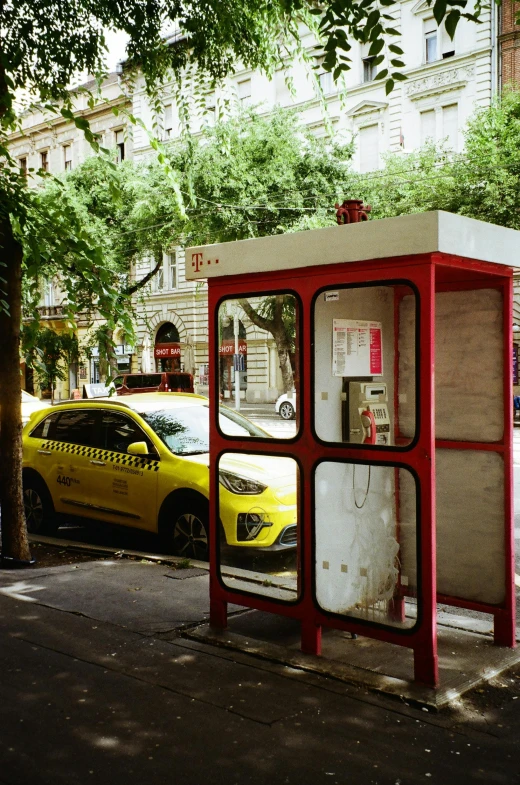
(39, 510)
(189, 530)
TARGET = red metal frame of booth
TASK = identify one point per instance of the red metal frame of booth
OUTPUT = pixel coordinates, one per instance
(427, 273)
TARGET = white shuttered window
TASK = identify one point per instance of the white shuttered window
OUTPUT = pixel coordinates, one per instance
(428, 122)
(369, 148)
(450, 118)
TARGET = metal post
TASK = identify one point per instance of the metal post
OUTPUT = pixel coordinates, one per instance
(237, 372)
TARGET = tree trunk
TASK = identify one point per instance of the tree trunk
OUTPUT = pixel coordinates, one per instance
(111, 355)
(275, 326)
(14, 531)
(284, 359)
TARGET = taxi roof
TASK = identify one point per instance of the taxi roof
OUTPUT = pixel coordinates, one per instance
(142, 402)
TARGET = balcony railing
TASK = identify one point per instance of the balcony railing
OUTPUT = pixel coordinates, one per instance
(50, 311)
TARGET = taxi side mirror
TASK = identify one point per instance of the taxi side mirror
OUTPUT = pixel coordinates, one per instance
(137, 448)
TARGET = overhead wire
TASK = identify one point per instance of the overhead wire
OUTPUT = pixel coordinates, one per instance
(300, 208)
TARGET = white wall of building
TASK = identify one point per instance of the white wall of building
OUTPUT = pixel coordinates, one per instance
(439, 96)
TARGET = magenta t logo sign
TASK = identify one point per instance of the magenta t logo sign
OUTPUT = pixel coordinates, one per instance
(197, 264)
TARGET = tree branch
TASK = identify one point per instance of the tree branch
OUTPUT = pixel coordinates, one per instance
(260, 321)
(130, 290)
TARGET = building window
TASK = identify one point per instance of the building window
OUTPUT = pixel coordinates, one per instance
(428, 123)
(158, 279)
(166, 276)
(244, 91)
(211, 107)
(49, 295)
(369, 148)
(431, 41)
(23, 166)
(324, 77)
(67, 157)
(120, 145)
(168, 121)
(171, 261)
(369, 69)
(450, 125)
(44, 161)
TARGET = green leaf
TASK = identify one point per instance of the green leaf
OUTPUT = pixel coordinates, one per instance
(373, 18)
(389, 86)
(376, 47)
(397, 63)
(395, 49)
(399, 77)
(81, 123)
(381, 74)
(451, 22)
(439, 10)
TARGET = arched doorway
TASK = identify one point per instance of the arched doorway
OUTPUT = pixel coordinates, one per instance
(167, 349)
(226, 354)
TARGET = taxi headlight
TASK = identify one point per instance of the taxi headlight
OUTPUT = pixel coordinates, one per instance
(243, 485)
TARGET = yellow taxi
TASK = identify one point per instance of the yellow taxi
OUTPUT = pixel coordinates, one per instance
(144, 462)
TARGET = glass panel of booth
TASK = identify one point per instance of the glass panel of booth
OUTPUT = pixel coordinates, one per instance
(366, 542)
(258, 362)
(365, 365)
(259, 534)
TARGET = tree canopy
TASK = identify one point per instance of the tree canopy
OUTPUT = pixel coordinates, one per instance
(481, 182)
(248, 177)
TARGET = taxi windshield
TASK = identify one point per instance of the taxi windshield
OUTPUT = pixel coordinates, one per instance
(185, 430)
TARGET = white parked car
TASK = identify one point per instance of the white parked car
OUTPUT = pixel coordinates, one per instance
(31, 404)
(285, 406)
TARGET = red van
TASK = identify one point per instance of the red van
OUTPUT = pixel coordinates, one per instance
(164, 381)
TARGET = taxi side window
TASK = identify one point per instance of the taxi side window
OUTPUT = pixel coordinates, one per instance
(76, 427)
(46, 428)
(118, 431)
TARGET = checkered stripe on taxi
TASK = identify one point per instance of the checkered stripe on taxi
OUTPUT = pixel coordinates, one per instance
(97, 454)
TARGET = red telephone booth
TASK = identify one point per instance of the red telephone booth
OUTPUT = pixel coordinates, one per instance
(393, 491)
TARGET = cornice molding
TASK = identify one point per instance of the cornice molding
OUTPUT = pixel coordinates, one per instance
(440, 82)
(55, 122)
(367, 107)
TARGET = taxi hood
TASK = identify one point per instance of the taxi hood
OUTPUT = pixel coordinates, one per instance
(268, 469)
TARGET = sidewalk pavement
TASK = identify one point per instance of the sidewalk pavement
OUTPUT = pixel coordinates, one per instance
(100, 685)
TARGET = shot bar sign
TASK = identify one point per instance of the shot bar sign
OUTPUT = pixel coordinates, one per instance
(357, 348)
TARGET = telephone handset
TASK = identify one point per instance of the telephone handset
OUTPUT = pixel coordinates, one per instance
(368, 423)
(368, 416)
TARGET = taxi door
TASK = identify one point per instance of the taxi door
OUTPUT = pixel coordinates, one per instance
(124, 487)
(65, 458)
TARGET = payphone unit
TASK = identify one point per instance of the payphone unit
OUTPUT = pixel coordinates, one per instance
(368, 416)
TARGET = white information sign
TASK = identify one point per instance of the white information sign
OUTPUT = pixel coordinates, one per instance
(357, 348)
(98, 390)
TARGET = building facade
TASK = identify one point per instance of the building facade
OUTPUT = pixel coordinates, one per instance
(509, 43)
(446, 81)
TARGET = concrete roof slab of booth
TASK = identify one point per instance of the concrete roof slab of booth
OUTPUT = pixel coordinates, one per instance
(405, 235)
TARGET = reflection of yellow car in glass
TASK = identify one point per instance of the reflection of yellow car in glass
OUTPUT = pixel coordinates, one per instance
(143, 462)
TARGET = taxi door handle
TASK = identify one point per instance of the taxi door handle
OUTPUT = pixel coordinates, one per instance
(45, 452)
(98, 463)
